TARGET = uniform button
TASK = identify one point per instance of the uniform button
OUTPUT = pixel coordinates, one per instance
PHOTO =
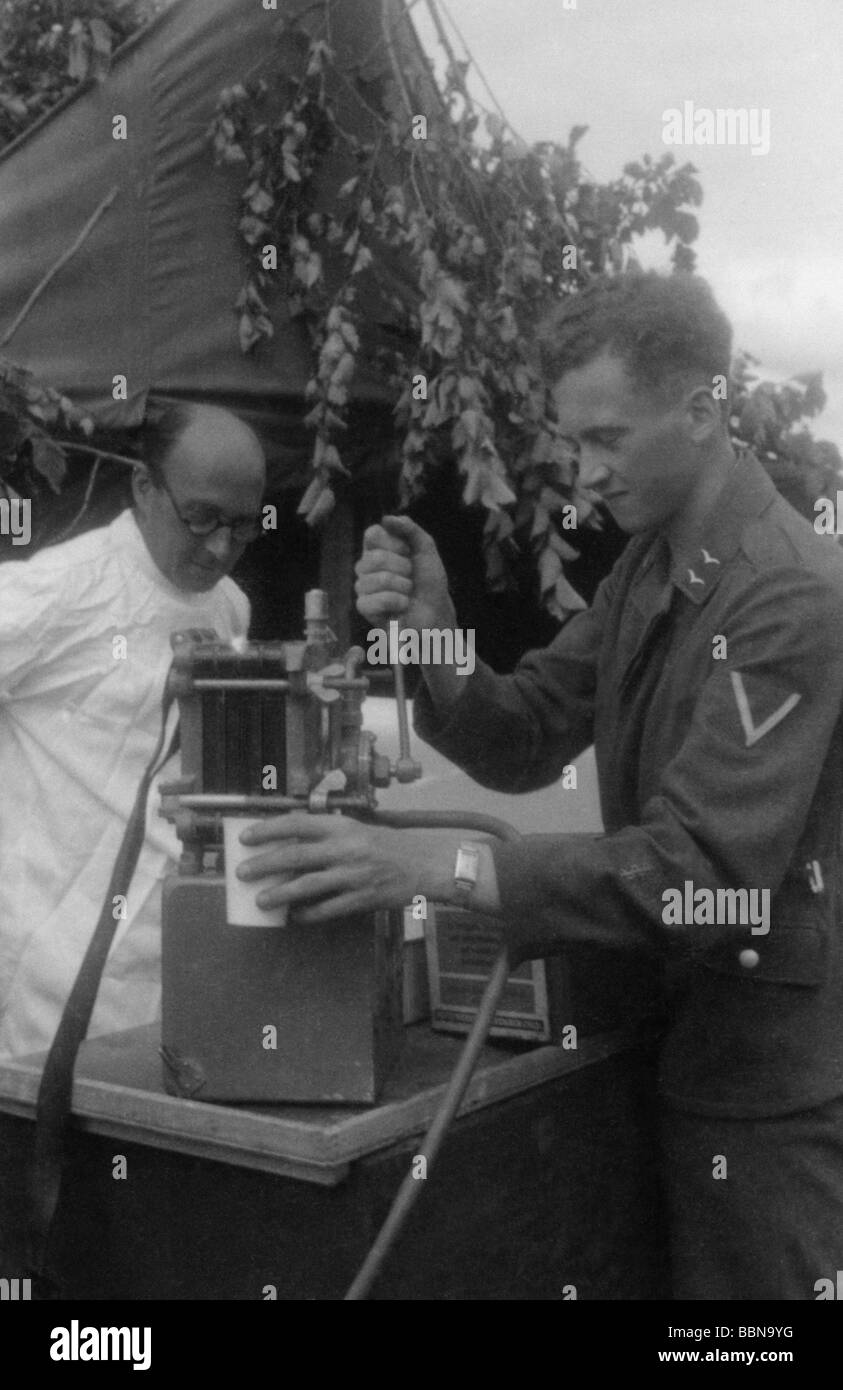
(749, 959)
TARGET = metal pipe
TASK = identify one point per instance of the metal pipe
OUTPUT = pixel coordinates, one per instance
(232, 801)
(223, 683)
(214, 684)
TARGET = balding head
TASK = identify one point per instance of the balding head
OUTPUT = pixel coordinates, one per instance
(201, 464)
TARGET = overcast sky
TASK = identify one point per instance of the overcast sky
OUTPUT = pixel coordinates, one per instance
(771, 241)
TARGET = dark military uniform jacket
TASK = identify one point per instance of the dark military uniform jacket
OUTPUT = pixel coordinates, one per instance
(720, 766)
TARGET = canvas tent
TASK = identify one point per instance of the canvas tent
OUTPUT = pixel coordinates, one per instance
(151, 292)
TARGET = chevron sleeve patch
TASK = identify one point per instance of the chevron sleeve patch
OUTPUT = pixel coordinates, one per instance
(762, 704)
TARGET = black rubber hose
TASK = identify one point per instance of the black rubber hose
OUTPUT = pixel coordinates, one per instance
(410, 1189)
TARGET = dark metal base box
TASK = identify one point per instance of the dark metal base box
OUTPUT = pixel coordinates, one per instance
(310, 1013)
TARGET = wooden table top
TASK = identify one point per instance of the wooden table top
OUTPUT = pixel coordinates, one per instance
(119, 1091)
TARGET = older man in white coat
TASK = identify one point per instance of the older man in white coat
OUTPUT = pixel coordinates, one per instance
(84, 653)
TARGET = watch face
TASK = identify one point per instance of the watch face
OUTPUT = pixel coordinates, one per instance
(465, 869)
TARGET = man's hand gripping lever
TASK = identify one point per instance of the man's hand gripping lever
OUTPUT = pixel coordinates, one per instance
(400, 577)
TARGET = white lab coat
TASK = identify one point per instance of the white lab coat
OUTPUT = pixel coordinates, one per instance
(78, 726)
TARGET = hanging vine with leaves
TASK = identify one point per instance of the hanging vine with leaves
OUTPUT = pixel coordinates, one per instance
(466, 236)
(32, 461)
(49, 48)
(494, 231)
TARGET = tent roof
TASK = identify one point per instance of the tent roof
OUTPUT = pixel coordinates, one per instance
(150, 293)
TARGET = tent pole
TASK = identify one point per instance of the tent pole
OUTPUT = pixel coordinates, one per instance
(336, 567)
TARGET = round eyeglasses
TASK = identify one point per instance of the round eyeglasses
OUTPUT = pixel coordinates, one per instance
(242, 528)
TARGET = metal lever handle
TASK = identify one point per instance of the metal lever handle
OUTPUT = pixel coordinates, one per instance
(406, 769)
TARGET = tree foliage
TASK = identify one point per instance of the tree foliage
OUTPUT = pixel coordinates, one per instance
(495, 232)
(49, 47)
(32, 461)
(768, 418)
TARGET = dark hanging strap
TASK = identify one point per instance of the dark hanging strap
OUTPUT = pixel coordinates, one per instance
(56, 1088)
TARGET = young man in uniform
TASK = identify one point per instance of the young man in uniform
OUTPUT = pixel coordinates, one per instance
(708, 673)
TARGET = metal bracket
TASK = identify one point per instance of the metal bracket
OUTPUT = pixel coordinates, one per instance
(333, 781)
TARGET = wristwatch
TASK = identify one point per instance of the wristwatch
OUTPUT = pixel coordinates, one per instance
(466, 869)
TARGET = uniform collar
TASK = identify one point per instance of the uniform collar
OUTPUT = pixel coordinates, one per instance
(696, 568)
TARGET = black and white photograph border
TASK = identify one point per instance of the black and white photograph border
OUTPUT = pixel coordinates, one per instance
(421, 661)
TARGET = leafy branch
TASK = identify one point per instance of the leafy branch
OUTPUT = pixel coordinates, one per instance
(29, 415)
(48, 48)
(493, 231)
